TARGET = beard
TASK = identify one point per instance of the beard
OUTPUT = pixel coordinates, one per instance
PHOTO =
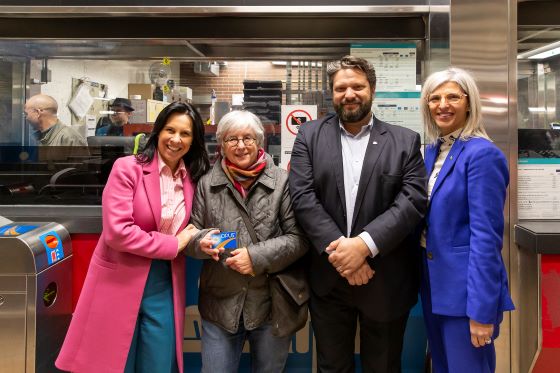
(353, 116)
(117, 122)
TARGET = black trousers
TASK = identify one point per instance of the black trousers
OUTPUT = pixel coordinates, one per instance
(334, 318)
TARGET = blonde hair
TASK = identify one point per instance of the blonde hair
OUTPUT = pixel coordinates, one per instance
(473, 126)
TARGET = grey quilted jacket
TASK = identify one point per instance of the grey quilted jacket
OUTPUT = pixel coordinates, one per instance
(224, 294)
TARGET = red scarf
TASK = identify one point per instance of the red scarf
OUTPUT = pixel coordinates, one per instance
(246, 176)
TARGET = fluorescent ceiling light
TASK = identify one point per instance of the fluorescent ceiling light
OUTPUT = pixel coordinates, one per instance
(547, 54)
(537, 110)
(296, 63)
(541, 53)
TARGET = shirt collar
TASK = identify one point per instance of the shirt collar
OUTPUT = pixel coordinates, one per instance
(181, 170)
(449, 139)
(365, 129)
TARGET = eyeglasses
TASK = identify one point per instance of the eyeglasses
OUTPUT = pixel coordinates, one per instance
(118, 112)
(234, 141)
(450, 98)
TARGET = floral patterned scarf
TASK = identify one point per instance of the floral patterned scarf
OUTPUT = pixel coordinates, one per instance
(240, 177)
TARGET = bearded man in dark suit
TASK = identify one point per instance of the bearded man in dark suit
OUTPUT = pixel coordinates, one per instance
(358, 187)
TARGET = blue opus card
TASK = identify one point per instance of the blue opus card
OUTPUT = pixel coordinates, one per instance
(227, 240)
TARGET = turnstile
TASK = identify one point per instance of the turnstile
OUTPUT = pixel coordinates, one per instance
(35, 295)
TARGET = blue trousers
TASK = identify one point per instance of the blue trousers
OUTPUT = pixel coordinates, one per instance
(449, 339)
(153, 345)
(221, 350)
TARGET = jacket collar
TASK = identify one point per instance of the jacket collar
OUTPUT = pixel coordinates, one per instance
(46, 136)
(448, 165)
(377, 140)
(151, 183)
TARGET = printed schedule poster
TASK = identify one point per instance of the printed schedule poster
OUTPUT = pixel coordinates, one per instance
(402, 109)
(538, 182)
(394, 63)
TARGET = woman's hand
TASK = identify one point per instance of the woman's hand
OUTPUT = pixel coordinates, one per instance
(240, 261)
(481, 334)
(185, 236)
(207, 245)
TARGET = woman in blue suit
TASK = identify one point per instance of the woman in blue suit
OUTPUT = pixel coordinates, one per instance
(464, 282)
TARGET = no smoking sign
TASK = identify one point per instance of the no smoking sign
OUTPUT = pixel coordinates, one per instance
(295, 119)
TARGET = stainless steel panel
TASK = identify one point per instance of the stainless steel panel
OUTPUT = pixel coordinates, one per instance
(35, 308)
(365, 26)
(12, 335)
(25, 254)
(13, 284)
(181, 11)
(76, 219)
(437, 57)
(541, 237)
(527, 316)
(52, 321)
(31, 325)
(483, 41)
(17, 259)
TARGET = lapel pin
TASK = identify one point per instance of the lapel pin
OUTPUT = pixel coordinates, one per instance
(374, 142)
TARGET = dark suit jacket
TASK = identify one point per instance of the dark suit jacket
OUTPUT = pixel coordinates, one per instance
(390, 203)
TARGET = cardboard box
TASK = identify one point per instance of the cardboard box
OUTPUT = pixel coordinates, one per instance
(139, 113)
(153, 108)
(145, 91)
(146, 111)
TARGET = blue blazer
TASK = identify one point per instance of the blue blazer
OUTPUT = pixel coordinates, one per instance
(465, 226)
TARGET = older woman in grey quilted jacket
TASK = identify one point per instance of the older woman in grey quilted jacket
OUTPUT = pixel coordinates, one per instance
(235, 298)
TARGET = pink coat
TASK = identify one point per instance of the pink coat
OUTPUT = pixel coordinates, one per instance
(102, 326)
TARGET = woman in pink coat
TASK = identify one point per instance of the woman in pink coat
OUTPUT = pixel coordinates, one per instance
(130, 314)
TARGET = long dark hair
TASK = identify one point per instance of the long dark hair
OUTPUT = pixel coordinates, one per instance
(196, 159)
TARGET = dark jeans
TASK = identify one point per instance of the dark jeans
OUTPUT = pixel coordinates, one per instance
(221, 350)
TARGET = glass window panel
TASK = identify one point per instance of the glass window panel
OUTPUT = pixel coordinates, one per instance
(85, 77)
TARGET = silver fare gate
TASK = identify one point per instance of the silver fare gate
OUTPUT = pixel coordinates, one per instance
(35, 295)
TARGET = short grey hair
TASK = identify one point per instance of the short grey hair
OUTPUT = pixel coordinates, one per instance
(352, 62)
(473, 125)
(240, 119)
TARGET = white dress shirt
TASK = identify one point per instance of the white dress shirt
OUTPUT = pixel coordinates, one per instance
(353, 153)
(447, 142)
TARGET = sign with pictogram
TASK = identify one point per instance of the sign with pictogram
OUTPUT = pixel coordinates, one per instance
(296, 118)
(293, 116)
(53, 245)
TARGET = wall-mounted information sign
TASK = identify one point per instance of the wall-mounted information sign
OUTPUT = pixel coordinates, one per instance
(397, 98)
(293, 116)
(538, 183)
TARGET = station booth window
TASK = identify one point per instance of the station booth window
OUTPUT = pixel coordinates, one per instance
(283, 94)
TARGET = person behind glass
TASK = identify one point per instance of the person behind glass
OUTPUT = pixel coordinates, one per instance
(40, 112)
(234, 296)
(358, 189)
(464, 286)
(131, 310)
(121, 111)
